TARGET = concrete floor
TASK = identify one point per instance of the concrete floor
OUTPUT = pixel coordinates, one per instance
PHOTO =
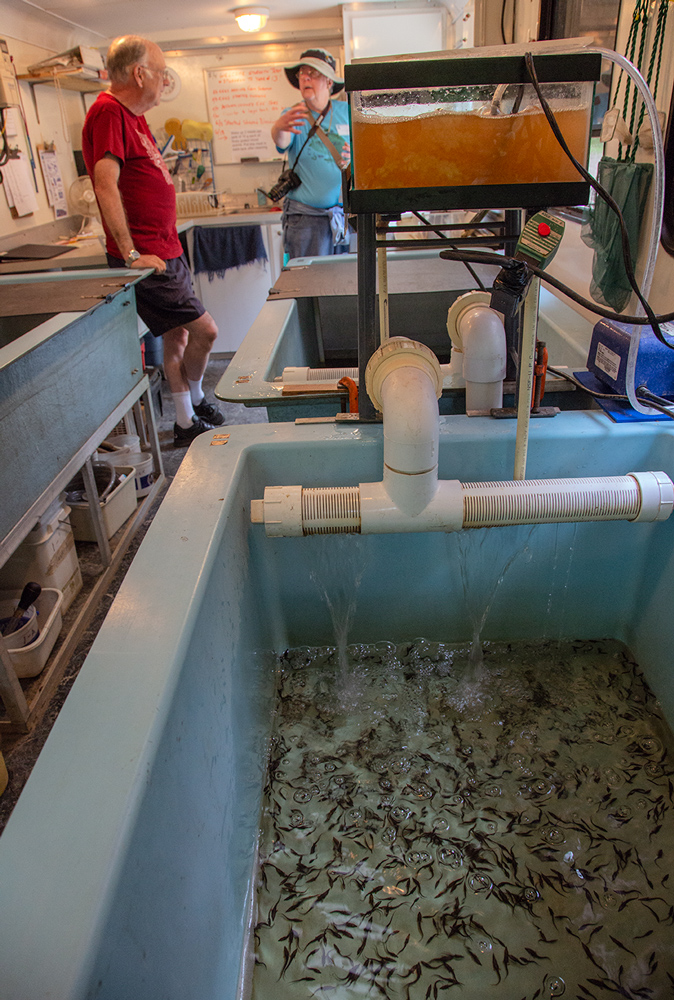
(21, 752)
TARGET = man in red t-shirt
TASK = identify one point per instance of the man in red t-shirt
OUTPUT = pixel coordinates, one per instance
(137, 200)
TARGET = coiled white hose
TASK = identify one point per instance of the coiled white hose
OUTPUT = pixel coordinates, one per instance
(656, 215)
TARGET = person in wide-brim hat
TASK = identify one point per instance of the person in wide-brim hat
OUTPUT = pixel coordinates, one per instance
(320, 60)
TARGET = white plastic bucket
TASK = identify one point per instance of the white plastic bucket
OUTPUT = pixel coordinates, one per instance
(26, 633)
(128, 442)
(30, 660)
(47, 555)
(142, 463)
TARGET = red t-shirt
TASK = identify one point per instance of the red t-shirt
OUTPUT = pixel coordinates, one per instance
(145, 184)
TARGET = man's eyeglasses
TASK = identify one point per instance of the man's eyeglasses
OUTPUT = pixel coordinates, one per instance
(164, 72)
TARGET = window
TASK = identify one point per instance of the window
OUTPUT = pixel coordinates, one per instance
(595, 19)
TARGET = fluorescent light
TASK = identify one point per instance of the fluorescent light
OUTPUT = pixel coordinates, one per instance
(250, 18)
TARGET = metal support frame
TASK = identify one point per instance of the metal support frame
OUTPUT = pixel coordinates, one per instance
(372, 231)
(11, 691)
(23, 713)
(488, 242)
(37, 509)
(91, 491)
(367, 309)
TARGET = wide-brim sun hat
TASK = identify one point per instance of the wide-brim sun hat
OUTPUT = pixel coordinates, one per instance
(318, 59)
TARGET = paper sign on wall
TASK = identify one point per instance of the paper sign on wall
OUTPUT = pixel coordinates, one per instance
(11, 122)
(56, 195)
(18, 185)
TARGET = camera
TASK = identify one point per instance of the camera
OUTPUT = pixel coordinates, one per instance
(288, 181)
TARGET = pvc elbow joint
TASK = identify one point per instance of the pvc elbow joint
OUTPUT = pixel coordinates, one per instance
(479, 343)
(484, 345)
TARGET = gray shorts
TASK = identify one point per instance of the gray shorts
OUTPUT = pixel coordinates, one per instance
(165, 301)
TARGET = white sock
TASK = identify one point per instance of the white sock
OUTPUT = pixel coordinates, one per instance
(196, 392)
(184, 409)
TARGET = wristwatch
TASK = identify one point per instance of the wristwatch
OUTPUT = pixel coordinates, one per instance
(131, 256)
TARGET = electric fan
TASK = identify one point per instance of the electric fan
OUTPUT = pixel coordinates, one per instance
(82, 200)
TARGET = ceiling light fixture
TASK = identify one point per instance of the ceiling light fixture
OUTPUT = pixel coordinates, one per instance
(250, 18)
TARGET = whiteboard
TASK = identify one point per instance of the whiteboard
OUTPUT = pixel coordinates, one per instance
(243, 103)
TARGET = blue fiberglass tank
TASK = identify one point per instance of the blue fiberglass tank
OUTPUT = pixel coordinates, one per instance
(127, 868)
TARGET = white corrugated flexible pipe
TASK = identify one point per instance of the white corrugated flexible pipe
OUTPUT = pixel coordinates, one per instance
(404, 381)
(305, 374)
(367, 508)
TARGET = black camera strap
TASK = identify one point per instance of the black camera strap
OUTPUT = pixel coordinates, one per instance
(322, 135)
(312, 131)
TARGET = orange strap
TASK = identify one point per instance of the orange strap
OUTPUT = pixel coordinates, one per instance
(540, 369)
(349, 384)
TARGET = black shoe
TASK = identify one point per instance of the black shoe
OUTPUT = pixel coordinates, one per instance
(209, 412)
(186, 435)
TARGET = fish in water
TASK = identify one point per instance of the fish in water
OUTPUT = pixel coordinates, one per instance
(416, 844)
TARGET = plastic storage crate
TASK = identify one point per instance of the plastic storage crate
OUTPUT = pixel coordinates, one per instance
(47, 555)
(30, 660)
(195, 203)
(116, 508)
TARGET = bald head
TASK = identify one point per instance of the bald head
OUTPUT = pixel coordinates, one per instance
(137, 71)
(127, 52)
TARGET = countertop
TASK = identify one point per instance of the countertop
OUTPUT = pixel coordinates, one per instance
(90, 253)
(241, 217)
(87, 254)
(71, 293)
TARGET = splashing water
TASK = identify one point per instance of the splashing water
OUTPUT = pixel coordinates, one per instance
(562, 561)
(411, 850)
(478, 598)
(339, 567)
(470, 544)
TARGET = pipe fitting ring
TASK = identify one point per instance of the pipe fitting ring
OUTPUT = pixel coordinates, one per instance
(400, 352)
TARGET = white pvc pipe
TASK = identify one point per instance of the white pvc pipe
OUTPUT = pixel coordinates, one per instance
(379, 514)
(484, 358)
(404, 384)
(638, 496)
(368, 508)
(411, 426)
(411, 438)
(383, 295)
(526, 377)
(455, 367)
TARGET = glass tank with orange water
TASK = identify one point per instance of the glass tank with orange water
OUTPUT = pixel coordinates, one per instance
(460, 136)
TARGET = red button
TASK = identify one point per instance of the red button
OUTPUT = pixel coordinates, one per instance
(543, 229)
